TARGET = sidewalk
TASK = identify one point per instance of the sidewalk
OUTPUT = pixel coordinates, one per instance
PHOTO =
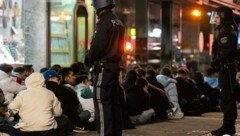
(189, 126)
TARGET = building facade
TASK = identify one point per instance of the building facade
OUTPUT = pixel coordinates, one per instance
(50, 32)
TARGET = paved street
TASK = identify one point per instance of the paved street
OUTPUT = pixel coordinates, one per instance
(189, 126)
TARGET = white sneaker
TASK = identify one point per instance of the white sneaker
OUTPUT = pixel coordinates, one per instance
(172, 111)
(80, 130)
(177, 115)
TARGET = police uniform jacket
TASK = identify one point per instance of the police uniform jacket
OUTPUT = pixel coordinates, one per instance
(107, 43)
(224, 46)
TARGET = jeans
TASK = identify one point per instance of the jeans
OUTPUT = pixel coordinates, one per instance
(144, 117)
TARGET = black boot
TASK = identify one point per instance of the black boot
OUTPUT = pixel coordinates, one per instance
(217, 131)
(222, 130)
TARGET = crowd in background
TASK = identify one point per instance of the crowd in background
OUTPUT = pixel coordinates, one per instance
(59, 100)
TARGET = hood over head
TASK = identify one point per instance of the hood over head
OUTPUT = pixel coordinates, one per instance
(36, 79)
(165, 80)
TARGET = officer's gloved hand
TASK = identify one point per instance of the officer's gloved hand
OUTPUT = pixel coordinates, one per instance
(97, 67)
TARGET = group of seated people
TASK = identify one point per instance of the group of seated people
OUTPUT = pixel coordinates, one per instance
(59, 100)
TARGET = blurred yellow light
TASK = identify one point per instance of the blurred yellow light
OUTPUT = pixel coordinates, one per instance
(133, 31)
(196, 13)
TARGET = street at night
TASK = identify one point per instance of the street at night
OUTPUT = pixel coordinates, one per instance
(188, 126)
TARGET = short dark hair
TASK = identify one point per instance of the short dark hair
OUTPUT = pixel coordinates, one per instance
(79, 68)
(44, 69)
(28, 67)
(210, 71)
(82, 78)
(166, 71)
(19, 70)
(56, 67)
(6, 68)
(141, 72)
(151, 73)
(183, 70)
(64, 72)
(141, 82)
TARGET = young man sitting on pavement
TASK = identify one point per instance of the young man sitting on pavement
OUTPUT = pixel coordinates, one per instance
(69, 101)
(37, 108)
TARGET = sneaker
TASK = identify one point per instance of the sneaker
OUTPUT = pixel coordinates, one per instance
(80, 130)
(171, 111)
(177, 115)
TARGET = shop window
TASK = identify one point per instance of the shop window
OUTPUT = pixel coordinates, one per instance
(62, 33)
(154, 33)
(11, 37)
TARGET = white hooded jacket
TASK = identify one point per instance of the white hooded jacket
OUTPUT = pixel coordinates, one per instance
(9, 87)
(37, 106)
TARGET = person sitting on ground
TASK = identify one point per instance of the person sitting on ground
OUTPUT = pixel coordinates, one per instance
(19, 75)
(37, 107)
(6, 126)
(52, 81)
(70, 102)
(128, 82)
(188, 95)
(211, 78)
(9, 87)
(155, 90)
(212, 94)
(138, 102)
(130, 79)
(29, 69)
(85, 95)
(170, 87)
(160, 103)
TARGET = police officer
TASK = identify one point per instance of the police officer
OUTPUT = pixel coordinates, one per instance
(104, 56)
(223, 61)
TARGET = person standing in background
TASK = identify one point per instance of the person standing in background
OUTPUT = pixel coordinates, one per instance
(105, 55)
(223, 61)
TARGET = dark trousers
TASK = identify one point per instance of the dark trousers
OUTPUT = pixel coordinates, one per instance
(107, 103)
(62, 128)
(227, 79)
(7, 127)
(38, 133)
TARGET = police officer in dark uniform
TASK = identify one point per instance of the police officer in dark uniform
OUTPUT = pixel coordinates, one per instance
(223, 61)
(103, 57)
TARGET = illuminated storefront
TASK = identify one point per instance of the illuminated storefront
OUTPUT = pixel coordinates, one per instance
(71, 24)
(11, 37)
(60, 35)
